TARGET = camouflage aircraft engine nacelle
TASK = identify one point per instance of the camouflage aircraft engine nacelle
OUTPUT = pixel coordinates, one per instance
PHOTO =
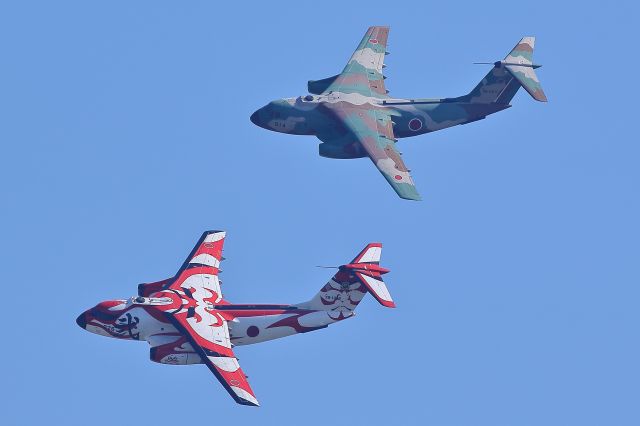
(349, 151)
(317, 87)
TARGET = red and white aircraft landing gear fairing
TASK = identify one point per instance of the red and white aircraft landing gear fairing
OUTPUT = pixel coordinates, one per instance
(186, 320)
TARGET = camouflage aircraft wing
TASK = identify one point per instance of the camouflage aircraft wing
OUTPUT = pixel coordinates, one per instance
(373, 129)
(363, 72)
(207, 330)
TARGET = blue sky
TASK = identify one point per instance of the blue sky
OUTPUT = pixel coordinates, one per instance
(125, 133)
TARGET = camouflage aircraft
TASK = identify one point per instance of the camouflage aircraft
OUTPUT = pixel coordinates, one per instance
(354, 117)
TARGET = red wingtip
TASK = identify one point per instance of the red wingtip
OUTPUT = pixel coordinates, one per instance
(391, 304)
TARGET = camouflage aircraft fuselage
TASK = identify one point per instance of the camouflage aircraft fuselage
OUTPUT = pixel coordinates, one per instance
(313, 115)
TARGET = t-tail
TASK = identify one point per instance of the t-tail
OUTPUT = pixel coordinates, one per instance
(507, 76)
(348, 286)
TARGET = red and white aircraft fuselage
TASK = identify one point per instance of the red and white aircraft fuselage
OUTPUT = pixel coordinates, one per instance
(186, 320)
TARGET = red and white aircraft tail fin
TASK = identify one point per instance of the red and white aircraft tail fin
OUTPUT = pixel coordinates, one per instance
(370, 254)
(347, 287)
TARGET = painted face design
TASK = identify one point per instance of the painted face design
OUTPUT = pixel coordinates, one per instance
(113, 318)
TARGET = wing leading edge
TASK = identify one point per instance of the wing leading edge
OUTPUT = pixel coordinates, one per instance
(207, 330)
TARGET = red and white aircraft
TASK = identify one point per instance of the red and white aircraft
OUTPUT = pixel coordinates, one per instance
(186, 320)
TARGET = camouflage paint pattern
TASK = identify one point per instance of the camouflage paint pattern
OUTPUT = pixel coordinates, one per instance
(353, 115)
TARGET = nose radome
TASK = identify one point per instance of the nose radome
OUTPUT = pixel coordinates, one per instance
(255, 118)
(82, 320)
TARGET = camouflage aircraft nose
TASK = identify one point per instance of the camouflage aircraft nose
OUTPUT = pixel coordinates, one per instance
(255, 118)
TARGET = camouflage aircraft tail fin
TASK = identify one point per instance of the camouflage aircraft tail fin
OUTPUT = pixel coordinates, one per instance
(507, 76)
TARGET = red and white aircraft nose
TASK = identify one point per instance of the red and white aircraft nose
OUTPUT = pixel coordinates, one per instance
(86, 319)
(103, 318)
(82, 320)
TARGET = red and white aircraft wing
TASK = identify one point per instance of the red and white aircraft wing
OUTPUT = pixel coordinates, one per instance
(198, 286)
